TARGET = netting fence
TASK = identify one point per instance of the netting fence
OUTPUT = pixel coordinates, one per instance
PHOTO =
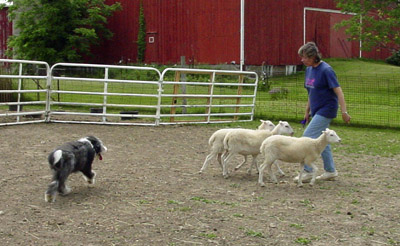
(371, 100)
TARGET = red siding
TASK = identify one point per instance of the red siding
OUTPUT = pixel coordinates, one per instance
(208, 31)
(274, 30)
(204, 31)
(5, 31)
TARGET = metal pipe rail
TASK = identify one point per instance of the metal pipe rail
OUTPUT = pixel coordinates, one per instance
(156, 98)
(21, 79)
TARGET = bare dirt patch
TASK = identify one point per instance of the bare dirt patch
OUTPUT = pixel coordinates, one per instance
(148, 192)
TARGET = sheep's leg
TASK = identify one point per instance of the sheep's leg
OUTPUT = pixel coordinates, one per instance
(219, 159)
(314, 174)
(300, 183)
(281, 173)
(272, 174)
(260, 173)
(224, 162)
(253, 163)
(241, 164)
(224, 155)
(207, 161)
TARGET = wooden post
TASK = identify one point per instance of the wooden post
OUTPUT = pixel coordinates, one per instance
(183, 78)
(174, 99)
(208, 109)
(239, 92)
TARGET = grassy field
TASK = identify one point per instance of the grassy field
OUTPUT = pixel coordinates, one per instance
(371, 90)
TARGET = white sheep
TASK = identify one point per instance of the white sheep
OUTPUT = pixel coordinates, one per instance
(216, 143)
(294, 150)
(248, 142)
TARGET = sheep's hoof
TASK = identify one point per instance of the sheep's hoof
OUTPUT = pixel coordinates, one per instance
(282, 174)
(312, 184)
(226, 176)
(300, 185)
(201, 171)
(262, 184)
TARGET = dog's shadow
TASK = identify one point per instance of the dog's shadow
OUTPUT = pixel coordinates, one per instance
(82, 194)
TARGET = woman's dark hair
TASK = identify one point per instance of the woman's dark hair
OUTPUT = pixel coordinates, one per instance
(310, 50)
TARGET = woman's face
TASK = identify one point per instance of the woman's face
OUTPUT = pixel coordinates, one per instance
(308, 61)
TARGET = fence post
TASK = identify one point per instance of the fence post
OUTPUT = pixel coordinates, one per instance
(105, 94)
(239, 92)
(210, 99)
(174, 99)
(48, 94)
(183, 78)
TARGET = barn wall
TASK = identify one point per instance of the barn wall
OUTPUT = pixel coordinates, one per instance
(208, 32)
(5, 31)
(203, 31)
(274, 31)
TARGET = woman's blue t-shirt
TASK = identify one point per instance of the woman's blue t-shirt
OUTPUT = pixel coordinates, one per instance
(319, 82)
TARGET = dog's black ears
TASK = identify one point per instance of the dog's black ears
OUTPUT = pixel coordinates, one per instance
(95, 142)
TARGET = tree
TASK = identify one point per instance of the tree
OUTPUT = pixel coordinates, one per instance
(377, 23)
(58, 30)
(141, 41)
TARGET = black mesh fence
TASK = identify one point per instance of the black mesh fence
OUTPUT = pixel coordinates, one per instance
(371, 100)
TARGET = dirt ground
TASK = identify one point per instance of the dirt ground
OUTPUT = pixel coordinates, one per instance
(148, 192)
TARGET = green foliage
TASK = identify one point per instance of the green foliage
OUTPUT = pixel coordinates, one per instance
(376, 23)
(394, 59)
(303, 241)
(141, 41)
(254, 234)
(297, 226)
(58, 30)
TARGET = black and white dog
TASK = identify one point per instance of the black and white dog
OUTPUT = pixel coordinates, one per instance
(71, 157)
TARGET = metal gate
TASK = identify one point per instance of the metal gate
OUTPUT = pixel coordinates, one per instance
(24, 86)
(104, 94)
(207, 96)
(128, 95)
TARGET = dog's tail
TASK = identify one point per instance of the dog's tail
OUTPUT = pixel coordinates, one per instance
(55, 158)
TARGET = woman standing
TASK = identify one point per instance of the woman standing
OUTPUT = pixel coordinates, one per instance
(324, 97)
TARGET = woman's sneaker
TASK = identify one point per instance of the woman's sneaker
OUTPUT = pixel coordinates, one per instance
(328, 176)
(305, 177)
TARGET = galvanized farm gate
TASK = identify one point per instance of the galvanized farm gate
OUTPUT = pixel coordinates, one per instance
(226, 96)
(128, 95)
(17, 84)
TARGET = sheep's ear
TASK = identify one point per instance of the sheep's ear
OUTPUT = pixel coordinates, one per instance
(261, 121)
(280, 122)
(327, 129)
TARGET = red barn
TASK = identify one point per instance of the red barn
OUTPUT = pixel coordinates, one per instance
(5, 31)
(209, 32)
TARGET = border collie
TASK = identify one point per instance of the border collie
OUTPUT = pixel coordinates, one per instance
(73, 157)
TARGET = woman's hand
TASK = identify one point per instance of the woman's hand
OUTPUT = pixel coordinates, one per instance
(346, 117)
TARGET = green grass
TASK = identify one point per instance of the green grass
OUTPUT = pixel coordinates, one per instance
(357, 67)
(371, 89)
